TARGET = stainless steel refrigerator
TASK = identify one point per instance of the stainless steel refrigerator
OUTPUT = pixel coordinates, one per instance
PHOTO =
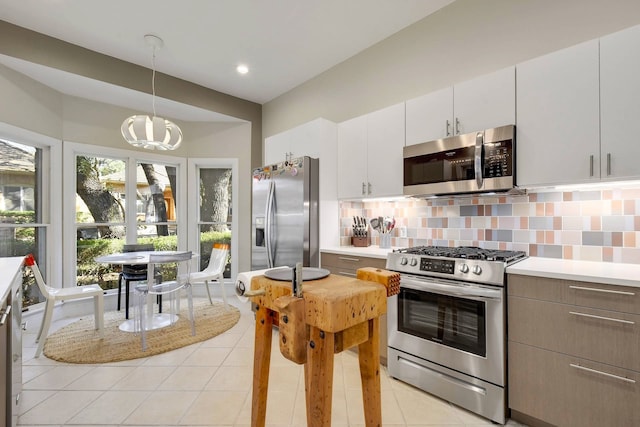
(284, 218)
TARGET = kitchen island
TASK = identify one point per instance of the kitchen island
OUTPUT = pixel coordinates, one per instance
(330, 315)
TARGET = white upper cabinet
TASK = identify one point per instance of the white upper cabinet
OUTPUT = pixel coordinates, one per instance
(370, 154)
(352, 158)
(557, 129)
(307, 139)
(430, 117)
(277, 148)
(484, 102)
(385, 141)
(620, 104)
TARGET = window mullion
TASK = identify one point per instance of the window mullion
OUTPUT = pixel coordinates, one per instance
(131, 187)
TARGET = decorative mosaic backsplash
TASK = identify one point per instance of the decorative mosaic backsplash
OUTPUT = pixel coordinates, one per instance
(594, 225)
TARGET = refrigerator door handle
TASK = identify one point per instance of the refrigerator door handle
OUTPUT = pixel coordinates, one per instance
(268, 220)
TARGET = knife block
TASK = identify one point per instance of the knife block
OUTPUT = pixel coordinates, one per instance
(361, 241)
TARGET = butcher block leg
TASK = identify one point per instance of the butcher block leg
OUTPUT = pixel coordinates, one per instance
(261, 361)
(369, 358)
(319, 377)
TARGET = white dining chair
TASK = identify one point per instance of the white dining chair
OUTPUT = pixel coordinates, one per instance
(64, 294)
(213, 272)
(170, 289)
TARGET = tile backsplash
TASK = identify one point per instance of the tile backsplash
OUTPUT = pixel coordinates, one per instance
(594, 225)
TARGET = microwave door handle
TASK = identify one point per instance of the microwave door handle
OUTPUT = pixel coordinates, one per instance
(479, 155)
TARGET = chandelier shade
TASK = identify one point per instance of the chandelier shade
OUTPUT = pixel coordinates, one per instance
(152, 133)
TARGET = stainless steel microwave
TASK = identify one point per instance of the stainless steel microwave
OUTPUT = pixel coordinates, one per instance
(482, 161)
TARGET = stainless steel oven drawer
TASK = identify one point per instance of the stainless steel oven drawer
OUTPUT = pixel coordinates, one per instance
(483, 398)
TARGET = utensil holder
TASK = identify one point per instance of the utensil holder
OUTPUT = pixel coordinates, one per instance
(385, 240)
(361, 241)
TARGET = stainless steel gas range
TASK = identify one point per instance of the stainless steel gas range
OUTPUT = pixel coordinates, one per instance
(446, 327)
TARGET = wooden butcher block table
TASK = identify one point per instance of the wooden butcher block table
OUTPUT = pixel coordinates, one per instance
(333, 314)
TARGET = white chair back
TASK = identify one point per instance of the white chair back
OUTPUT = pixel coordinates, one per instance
(45, 289)
(182, 261)
(218, 261)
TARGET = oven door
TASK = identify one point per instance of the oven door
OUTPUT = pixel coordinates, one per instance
(454, 324)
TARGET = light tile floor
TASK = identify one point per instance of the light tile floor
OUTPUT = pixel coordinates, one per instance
(208, 384)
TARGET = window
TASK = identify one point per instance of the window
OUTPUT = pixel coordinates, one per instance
(25, 206)
(105, 180)
(214, 218)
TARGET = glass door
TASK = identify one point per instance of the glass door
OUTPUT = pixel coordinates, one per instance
(215, 212)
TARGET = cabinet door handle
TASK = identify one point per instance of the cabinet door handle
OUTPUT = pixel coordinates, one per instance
(606, 291)
(5, 314)
(344, 258)
(591, 165)
(608, 164)
(369, 187)
(344, 273)
(364, 189)
(611, 319)
(606, 374)
(447, 128)
(457, 126)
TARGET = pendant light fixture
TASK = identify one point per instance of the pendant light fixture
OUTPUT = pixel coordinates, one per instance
(153, 133)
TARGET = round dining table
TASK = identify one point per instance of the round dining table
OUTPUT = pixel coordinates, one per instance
(154, 320)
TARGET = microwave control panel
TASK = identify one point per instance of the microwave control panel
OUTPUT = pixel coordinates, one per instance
(498, 159)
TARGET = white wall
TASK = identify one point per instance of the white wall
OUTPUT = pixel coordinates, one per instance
(27, 104)
(463, 40)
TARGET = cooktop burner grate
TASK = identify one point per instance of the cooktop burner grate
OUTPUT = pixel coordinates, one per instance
(466, 252)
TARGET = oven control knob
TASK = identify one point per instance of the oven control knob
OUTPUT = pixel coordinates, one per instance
(477, 270)
(464, 268)
(404, 261)
(414, 262)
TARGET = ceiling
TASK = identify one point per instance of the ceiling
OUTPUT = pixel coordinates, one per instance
(283, 42)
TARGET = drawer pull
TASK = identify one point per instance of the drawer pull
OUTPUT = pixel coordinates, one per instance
(344, 273)
(628, 322)
(606, 291)
(344, 258)
(606, 374)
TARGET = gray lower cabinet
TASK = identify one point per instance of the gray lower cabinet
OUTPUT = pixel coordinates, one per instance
(572, 352)
(347, 265)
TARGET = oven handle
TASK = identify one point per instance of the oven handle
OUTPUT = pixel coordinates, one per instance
(453, 290)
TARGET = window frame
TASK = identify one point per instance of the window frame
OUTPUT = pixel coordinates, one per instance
(131, 158)
(49, 196)
(193, 219)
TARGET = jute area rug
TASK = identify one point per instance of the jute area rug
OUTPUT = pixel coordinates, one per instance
(79, 342)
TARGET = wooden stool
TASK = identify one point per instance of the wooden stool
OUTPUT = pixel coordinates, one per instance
(334, 314)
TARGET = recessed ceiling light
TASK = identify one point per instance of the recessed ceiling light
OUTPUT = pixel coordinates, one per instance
(242, 69)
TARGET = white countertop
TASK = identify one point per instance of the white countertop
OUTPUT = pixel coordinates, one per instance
(9, 267)
(372, 251)
(584, 271)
